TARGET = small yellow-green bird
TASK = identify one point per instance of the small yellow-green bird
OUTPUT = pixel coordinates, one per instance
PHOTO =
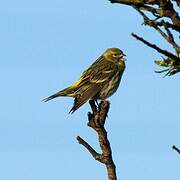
(99, 81)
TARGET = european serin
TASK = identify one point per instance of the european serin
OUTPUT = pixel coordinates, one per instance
(99, 81)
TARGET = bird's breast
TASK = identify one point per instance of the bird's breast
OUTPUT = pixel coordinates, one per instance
(110, 87)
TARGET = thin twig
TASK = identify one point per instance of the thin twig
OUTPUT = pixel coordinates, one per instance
(168, 25)
(154, 24)
(89, 148)
(135, 2)
(164, 52)
(165, 9)
(176, 149)
(171, 40)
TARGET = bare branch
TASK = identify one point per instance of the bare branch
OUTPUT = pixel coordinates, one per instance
(97, 121)
(176, 149)
(129, 2)
(135, 2)
(164, 52)
(155, 24)
(96, 155)
(165, 9)
(168, 25)
(171, 40)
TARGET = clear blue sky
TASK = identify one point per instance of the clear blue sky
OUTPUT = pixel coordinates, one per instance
(45, 46)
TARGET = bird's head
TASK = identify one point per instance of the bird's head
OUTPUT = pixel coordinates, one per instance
(114, 54)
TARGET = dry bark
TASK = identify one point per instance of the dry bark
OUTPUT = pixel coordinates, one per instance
(96, 120)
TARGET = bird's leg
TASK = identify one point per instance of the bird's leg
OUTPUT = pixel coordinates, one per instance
(93, 117)
(97, 104)
(93, 106)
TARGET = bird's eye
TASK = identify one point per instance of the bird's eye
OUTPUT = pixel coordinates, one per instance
(115, 55)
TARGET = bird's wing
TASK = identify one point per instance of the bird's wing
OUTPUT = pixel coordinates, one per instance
(84, 94)
(100, 71)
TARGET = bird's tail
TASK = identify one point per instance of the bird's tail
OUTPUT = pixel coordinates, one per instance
(65, 92)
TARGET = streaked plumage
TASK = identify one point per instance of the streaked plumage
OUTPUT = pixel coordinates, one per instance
(99, 81)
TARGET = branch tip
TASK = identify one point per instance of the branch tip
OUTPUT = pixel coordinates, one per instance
(176, 149)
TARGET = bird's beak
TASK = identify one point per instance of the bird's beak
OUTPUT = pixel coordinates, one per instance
(124, 59)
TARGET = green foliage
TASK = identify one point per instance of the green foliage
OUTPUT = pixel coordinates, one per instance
(172, 66)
